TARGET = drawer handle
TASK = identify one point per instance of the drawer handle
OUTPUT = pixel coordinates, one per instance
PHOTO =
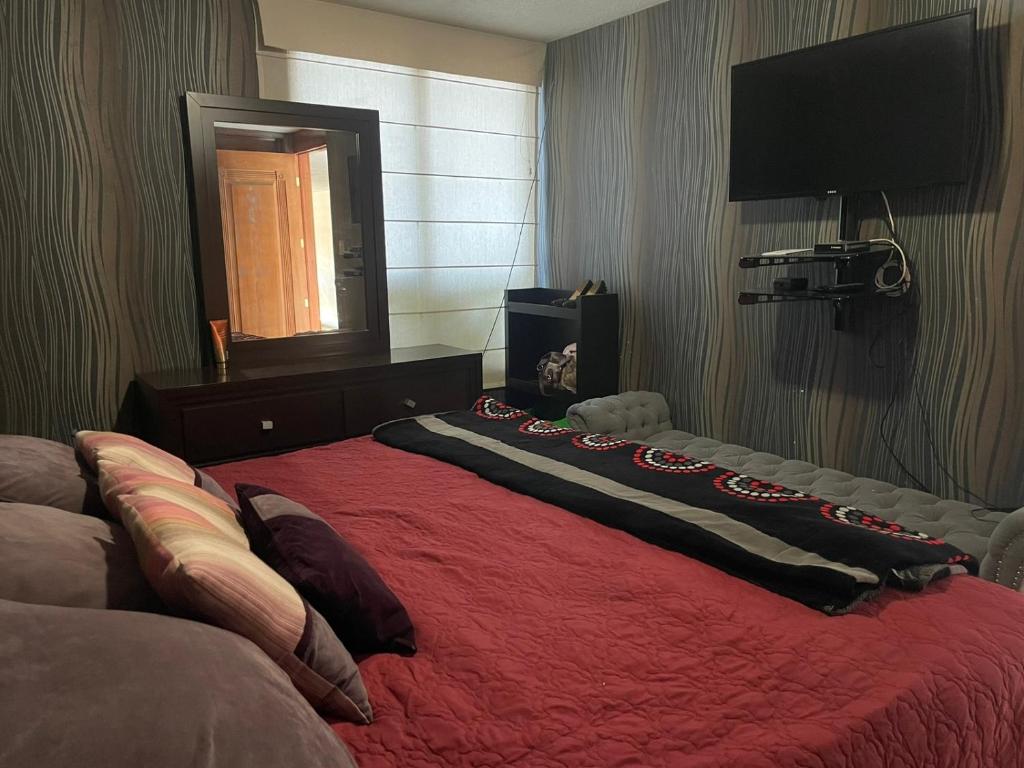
(409, 403)
(266, 425)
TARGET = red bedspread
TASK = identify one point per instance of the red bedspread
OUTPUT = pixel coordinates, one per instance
(548, 640)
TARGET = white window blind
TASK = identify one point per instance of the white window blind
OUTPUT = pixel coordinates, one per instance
(458, 156)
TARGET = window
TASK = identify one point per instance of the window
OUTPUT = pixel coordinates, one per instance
(459, 176)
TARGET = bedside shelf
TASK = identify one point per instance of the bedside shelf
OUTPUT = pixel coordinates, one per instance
(543, 310)
(534, 327)
(530, 387)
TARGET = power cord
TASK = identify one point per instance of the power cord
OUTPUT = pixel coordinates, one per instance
(886, 328)
(519, 237)
(902, 283)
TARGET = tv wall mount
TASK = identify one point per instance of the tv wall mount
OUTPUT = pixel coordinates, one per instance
(853, 271)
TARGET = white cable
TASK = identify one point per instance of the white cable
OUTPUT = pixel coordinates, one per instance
(888, 212)
(902, 284)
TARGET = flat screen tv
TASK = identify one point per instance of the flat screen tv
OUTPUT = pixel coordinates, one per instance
(883, 110)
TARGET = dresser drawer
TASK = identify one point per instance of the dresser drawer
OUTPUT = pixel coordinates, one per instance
(368, 405)
(234, 428)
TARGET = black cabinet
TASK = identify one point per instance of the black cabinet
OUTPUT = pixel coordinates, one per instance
(534, 327)
(205, 415)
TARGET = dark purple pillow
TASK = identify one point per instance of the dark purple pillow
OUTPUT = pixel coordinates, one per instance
(327, 571)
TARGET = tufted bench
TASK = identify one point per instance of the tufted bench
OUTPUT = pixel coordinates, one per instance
(995, 538)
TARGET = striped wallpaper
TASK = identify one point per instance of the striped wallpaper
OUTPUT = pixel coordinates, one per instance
(636, 159)
(96, 274)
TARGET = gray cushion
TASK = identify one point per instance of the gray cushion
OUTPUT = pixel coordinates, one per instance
(956, 522)
(633, 415)
(117, 688)
(55, 557)
(644, 417)
(37, 471)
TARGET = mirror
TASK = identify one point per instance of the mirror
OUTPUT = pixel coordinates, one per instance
(289, 227)
(293, 244)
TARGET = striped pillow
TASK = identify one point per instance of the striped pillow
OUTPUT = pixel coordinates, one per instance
(128, 451)
(122, 480)
(199, 569)
(132, 452)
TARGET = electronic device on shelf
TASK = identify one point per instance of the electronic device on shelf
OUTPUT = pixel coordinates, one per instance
(843, 246)
(789, 284)
(848, 116)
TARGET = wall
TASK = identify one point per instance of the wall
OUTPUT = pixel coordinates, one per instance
(355, 33)
(636, 186)
(96, 274)
(458, 156)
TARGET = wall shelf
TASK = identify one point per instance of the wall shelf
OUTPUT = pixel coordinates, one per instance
(855, 267)
(747, 298)
(753, 262)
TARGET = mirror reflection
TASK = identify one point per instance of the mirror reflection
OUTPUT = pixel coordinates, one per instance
(293, 245)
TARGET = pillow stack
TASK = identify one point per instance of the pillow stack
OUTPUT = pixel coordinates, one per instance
(54, 547)
(122, 689)
(197, 558)
(47, 474)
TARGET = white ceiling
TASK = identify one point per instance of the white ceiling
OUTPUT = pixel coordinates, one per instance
(542, 20)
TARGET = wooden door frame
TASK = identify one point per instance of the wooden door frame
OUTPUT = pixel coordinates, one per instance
(309, 236)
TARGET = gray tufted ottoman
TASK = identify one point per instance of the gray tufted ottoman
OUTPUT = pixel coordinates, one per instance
(995, 538)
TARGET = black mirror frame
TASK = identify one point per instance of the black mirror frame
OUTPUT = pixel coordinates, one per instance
(201, 111)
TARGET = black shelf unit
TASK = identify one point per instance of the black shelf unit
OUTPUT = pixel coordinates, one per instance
(534, 327)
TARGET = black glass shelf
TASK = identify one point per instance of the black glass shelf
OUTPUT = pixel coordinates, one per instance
(747, 298)
(753, 262)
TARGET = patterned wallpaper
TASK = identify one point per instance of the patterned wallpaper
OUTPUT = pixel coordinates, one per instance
(96, 274)
(636, 153)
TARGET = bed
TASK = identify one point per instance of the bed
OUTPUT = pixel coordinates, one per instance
(547, 639)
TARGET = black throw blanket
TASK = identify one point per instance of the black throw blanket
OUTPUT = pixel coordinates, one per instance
(824, 555)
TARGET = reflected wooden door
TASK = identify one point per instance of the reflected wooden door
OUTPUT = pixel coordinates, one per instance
(261, 212)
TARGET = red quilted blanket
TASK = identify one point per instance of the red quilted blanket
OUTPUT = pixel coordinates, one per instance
(548, 640)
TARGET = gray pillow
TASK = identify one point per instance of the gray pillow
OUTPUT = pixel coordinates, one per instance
(55, 557)
(118, 688)
(37, 471)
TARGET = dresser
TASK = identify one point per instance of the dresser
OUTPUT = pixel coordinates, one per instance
(206, 415)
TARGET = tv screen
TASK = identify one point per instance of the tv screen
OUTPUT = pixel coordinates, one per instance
(884, 110)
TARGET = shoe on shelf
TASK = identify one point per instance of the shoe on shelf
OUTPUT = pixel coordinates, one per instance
(571, 300)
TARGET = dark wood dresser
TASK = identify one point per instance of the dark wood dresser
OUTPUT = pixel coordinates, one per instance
(207, 416)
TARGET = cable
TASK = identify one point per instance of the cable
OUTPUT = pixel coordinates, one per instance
(989, 506)
(883, 330)
(888, 213)
(900, 377)
(902, 284)
(519, 237)
(888, 445)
